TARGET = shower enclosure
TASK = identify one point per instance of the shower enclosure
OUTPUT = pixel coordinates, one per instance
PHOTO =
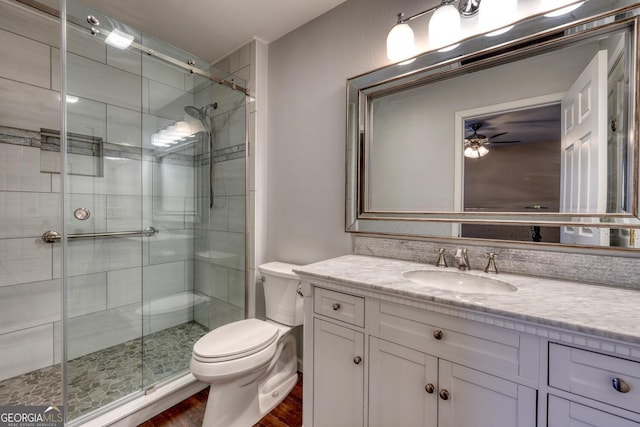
(122, 208)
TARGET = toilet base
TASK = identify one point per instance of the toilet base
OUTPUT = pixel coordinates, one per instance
(241, 404)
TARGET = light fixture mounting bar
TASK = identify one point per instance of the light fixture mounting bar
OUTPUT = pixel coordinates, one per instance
(467, 8)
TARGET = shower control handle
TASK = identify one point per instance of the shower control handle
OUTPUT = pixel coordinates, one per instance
(51, 236)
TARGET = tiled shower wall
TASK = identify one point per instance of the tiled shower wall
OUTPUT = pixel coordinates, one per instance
(220, 246)
(108, 287)
(30, 203)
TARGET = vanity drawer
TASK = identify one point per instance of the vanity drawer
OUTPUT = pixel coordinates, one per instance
(588, 374)
(463, 341)
(336, 305)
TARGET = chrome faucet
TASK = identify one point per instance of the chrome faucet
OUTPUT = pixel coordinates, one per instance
(442, 262)
(463, 260)
(491, 265)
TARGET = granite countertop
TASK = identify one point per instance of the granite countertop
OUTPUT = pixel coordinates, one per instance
(597, 310)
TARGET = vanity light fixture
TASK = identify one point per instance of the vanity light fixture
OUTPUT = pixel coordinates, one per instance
(445, 25)
(119, 39)
(496, 15)
(555, 4)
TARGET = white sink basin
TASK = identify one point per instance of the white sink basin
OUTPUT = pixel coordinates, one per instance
(453, 281)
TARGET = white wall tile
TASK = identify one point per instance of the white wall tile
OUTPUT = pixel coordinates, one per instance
(44, 300)
(20, 103)
(79, 164)
(167, 101)
(219, 215)
(122, 176)
(227, 249)
(23, 20)
(236, 287)
(28, 214)
(163, 279)
(20, 169)
(87, 117)
(124, 287)
(237, 221)
(100, 82)
(81, 42)
(127, 60)
(124, 126)
(86, 256)
(26, 350)
(93, 332)
(239, 59)
(124, 213)
(170, 245)
(162, 72)
(24, 60)
(229, 178)
(50, 161)
(86, 294)
(24, 260)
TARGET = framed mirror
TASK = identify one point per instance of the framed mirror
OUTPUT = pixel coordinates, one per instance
(529, 136)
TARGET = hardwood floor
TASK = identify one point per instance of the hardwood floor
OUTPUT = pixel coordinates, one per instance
(190, 412)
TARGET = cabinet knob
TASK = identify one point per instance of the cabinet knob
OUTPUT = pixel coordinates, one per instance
(357, 360)
(444, 394)
(438, 334)
(335, 306)
(620, 385)
(430, 388)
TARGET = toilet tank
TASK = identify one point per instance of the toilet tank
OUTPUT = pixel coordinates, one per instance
(282, 302)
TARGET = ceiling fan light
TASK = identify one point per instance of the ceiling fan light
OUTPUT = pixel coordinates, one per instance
(400, 43)
(483, 151)
(444, 27)
(471, 153)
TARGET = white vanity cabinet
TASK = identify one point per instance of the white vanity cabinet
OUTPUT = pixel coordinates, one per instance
(586, 386)
(378, 363)
(338, 364)
(428, 369)
(410, 388)
(381, 352)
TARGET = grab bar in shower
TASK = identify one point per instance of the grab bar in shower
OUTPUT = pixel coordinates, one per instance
(52, 236)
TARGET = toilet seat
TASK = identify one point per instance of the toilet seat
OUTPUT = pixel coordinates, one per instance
(222, 344)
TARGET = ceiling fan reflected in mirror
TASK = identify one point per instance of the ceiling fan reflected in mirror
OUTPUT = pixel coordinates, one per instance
(477, 145)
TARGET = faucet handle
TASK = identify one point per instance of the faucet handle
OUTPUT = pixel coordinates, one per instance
(442, 262)
(491, 265)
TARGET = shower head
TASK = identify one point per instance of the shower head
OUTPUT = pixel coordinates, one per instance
(199, 113)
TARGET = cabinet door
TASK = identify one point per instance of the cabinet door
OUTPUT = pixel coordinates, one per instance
(563, 413)
(338, 377)
(398, 379)
(469, 398)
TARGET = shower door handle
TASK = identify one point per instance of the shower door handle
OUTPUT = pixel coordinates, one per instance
(51, 236)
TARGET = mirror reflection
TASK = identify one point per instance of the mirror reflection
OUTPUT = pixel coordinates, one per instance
(506, 139)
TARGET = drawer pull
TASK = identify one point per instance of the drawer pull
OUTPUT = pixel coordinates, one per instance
(444, 394)
(357, 360)
(621, 385)
(335, 306)
(438, 334)
(430, 388)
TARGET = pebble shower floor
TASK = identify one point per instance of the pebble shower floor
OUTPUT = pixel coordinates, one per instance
(104, 376)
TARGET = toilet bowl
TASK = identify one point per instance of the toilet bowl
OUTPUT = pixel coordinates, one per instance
(251, 364)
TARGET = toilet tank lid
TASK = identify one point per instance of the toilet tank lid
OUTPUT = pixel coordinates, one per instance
(277, 268)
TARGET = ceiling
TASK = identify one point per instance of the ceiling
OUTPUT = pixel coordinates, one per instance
(211, 29)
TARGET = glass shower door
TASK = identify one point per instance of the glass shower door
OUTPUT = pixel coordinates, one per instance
(154, 237)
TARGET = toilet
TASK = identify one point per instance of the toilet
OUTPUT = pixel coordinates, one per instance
(252, 364)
